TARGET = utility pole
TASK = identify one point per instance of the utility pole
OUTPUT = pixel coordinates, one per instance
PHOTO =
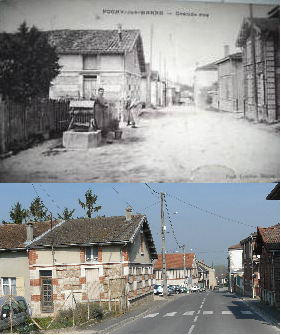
(184, 265)
(254, 64)
(164, 274)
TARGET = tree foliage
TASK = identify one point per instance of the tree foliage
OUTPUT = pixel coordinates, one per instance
(66, 214)
(90, 202)
(17, 214)
(28, 63)
(38, 211)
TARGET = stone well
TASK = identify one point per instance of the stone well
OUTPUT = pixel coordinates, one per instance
(73, 139)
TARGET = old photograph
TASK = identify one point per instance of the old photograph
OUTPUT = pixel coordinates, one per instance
(139, 91)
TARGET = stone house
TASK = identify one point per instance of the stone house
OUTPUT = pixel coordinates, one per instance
(268, 249)
(14, 262)
(235, 266)
(250, 266)
(230, 83)
(112, 59)
(175, 269)
(259, 40)
(206, 275)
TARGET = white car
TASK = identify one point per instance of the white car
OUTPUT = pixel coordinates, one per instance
(195, 289)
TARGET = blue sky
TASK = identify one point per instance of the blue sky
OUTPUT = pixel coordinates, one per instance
(206, 234)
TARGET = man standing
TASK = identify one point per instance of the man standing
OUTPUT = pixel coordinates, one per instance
(101, 112)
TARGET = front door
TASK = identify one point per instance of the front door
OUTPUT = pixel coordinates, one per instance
(93, 284)
(46, 286)
(90, 87)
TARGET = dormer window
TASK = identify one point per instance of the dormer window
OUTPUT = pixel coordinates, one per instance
(91, 253)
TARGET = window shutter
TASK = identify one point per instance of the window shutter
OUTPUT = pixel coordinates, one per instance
(20, 286)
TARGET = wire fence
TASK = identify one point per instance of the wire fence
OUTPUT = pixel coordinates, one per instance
(55, 308)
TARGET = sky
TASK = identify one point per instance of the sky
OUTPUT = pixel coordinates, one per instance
(243, 207)
(179, 42)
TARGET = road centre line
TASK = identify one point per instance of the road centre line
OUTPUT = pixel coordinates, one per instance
(191, 329)
(198, 312)
(195, 319)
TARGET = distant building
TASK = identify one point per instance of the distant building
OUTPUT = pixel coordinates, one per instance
(259, 39)
(235, 266)
(206, 275)
(230, 83)
(175, 269)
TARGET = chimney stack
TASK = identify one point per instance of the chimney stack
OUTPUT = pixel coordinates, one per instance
(29, 231)
(226, 50)
(120, 32)
(128, 213)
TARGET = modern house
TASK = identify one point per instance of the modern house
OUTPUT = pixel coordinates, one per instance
(14, 261)
(102, 259)
(235, 267)
(112, 59)
(206, 275)
(230, 83)
(268, 249)
(250, 266)
(259, 40)
(176, 274)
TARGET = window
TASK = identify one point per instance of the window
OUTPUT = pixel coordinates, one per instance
(89, 62)
(92, 253)
(9, 286)
(46, 287)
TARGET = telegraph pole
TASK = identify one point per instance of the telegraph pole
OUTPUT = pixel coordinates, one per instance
(184, 265)
(164, 274)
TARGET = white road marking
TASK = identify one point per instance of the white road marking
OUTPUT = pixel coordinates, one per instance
(226, 312)
(150, 315)
(195, 319)
(198, 312)
(208, 312)
(191, 328)
(189, 313)
(201, 306)
(246, 312)
(170, 314)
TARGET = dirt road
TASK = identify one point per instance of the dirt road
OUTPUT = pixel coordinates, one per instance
(175, 144)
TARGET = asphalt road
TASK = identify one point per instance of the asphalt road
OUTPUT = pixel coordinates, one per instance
(175, 144)
(200, 313)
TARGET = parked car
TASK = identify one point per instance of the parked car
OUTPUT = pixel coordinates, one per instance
(183, 289)
(15, 308)
(178, 289)
(202, 289)
(158, 289)
(171, 288)
(194, 289)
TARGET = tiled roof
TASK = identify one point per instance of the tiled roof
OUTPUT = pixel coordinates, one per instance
(236, 246)
(252, 236)
(235, 56)
(175, 261)
(260, 24)
(97, 230)
(275, 193)
(13, 236)
(270, 236)
(207, 67)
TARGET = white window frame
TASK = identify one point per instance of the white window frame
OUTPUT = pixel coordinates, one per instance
(12, 286)
(93, 257)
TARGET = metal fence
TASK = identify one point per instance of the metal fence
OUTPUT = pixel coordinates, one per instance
(61, 307)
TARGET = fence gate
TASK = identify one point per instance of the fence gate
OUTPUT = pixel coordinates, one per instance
(93, 284)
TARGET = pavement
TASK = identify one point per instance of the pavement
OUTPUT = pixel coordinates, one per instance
(270, 314)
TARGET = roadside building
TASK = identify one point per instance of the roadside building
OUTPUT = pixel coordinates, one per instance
(102, 259)
(235, 267)
(268, 249)
(230, 83)
(176, 274)
(111, 59)
(250, 266)
(275, 193)
(259, 40)
(14, 261)
(205, 85)
(206, 275)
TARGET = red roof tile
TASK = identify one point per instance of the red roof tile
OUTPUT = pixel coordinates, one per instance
(270, 236)
(236, 246)
(175, 261)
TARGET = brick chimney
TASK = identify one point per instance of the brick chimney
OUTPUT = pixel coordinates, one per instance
(226, 50)
(128, 213)
(120, 32)
(29, 231)
(202, 261)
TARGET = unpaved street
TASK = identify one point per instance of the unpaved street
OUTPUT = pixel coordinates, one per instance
(175, 144)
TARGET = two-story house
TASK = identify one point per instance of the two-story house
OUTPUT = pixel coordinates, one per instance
(206, 275)
(235, 266)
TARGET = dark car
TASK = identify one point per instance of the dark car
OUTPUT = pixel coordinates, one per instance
(178, 289)
(171, 288)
